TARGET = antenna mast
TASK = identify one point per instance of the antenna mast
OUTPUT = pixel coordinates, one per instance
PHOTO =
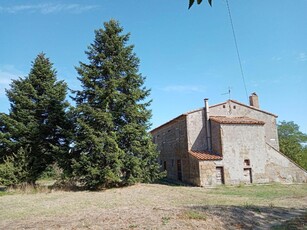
(229, 93)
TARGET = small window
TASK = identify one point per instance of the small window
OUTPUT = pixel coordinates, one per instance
(224, 106)
(234, 107)
(246, 162)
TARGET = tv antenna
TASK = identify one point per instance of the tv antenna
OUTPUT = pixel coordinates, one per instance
(228, 92)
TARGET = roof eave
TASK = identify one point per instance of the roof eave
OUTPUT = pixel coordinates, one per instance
(169, 122)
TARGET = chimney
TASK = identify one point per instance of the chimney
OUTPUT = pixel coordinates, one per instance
(253, 100)
(208, 128)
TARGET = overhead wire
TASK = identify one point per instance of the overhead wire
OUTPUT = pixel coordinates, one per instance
(237, 48)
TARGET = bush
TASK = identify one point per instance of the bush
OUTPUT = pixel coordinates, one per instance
(14, 170)
(53, 172)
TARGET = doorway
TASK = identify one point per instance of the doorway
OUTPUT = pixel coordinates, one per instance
(219, 175)
(179, 172)
(247, 176)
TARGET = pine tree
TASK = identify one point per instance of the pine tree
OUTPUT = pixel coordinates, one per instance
(37, 119)
(112, 146)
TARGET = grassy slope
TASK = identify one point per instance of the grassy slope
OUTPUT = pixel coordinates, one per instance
(156, 206)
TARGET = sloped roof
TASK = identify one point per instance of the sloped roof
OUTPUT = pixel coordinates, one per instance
(205, 155)
(247, 106)
(169, 122)
(236, 120)
(196, 110)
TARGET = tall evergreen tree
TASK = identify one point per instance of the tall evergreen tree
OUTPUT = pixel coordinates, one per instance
(112, 146)
(37, 119)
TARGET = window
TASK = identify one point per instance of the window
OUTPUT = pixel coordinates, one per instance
(247, 162)
(224, 106)
(164, 166)
(234, 107)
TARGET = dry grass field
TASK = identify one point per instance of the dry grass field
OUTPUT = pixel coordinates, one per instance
(158, 206)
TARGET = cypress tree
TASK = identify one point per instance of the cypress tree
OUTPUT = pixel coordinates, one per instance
(112, 146)
(37, 119)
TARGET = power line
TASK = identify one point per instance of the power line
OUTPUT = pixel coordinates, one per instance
(237, 49)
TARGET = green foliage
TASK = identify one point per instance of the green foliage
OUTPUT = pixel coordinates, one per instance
(37, 120)
(52, 172)
(290, 142)
(15, 169)
(112, 146)
(191, 2)
(165, 220)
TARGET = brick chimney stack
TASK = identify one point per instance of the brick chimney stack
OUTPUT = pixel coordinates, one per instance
(253, 100)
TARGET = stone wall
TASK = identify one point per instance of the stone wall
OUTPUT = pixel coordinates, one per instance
(216, 137)
(196, 130)
(194, 172)
(171, 141)
(241, 144)
(207, 173)
(248, 159)
(233, 109)
(281, 169)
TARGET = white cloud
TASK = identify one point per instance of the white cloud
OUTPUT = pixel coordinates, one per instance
(48, 8)
(302, 56)
(7, 74)
(183, 88)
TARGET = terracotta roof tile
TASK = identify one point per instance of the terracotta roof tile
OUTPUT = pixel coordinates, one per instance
(205, 155)
(236, 120)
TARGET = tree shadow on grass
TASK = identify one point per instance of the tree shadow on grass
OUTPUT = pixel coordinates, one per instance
(257, 217)
(170, 182)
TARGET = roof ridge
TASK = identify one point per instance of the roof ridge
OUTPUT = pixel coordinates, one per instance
(252, 107)
(236, 120)
(196, 110)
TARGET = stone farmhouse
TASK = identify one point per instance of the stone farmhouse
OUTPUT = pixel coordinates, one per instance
(227, 143)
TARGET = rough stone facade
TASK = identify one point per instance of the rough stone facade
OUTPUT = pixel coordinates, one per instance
(172, 145)
(240, 147)
(233, 108)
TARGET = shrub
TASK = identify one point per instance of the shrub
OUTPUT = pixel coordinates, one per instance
(15, 169)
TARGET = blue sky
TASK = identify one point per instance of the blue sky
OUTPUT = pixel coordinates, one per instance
(186, 55)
